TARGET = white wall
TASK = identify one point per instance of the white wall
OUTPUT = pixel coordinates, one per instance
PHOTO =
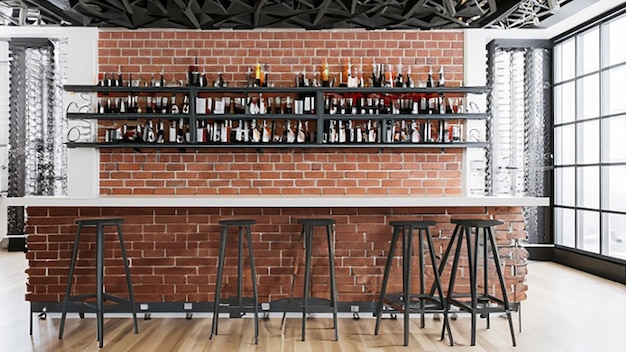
(81, 55)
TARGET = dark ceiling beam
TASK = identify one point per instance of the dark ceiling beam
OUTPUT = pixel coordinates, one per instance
(321, 11)
(159, 6)
(257, 12)
(186, 9)
(127, 8)
(411, 6)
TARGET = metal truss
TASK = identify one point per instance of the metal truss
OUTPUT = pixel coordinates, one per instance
(248, 14)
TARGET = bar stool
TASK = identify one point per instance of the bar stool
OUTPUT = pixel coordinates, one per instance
(100, 294)
(481, 302)
(403, 302)
(241, 225)
(308, 227)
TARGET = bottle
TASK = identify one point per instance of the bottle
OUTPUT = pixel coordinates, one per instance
(120, 82)
(180, 131)
(173, 107)
(325, 74)
(429, 81)
(185, 109)
(441, 82)
(193, 76)
(162, 80)
(257, 75)
(160, 132)
(172, 132)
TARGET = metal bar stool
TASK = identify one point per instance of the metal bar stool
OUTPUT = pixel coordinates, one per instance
(404, 302)
(240, 306)
(100, 294)
(480, 302)
(308, 227)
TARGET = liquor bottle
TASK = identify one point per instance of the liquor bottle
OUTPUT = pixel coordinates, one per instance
(257, 75)
(200, 131)
(265, 78)
(325, 74)
(120, 82)
(441, 82)
(130, 80)
(219, 82)
(153, 82)
(165, 106)
(162, 80)
(172, 132)
(399, 79)
(193, 76)
(107, 80)
(429, 80)
(160, 132)
(185, 109)
(173, 107)
(409, 81)
(180, 131)
(148, 132)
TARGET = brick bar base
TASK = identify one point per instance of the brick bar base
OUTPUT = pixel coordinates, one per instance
(173, 251)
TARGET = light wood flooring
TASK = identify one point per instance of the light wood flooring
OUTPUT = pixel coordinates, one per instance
(566, 310)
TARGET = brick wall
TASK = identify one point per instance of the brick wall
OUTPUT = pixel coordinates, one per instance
(173, 251)
(142, 53)
(294, 171)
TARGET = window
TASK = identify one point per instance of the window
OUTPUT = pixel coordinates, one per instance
(590, 139)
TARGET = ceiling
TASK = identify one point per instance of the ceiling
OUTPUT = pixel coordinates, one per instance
(306, 14)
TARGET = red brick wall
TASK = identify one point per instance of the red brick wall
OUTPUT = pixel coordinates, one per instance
(231, 52)
(173, 251)
(295, 171)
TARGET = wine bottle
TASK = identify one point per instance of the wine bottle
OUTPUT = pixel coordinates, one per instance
(429, 80)
(185, 109)
(120, 82)
(160, 132)
(162, 79)
(172, 132)
(173, 107)
(325, 74)
(257, 75)
(180, 131)
(441, 82)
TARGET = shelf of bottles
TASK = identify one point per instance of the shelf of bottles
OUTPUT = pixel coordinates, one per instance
(317, 112)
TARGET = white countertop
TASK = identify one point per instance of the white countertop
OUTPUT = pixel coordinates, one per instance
(272, 201)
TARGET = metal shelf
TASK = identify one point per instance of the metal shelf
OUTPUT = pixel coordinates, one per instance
(274, 145)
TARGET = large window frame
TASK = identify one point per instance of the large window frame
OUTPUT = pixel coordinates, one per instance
(589, 151)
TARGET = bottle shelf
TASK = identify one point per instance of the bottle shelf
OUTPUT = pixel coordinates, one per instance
(274, 145)
(319, 121)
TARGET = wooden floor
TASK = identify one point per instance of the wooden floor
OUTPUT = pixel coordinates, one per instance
(566, 310)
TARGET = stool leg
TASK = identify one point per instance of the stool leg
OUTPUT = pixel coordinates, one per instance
(255, 295)
(333, 288)
(100, 284)
(379, 306)
(240, 272)
(437, 283)
(308, 238)
(505, 297)
(485, 271)
(446, 254)
(420, 237)
(218, 284)
(407, 288)
(472, 255)
(68, 288)
(131, 294)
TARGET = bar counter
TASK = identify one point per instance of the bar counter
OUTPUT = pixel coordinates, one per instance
(172, 242)
(274, 202)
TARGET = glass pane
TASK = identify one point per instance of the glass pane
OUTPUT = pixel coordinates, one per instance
(616, 239)
(589, 51)
(588, 187)
(614, 139)
(558, 64)
(616, 91)
(568, 51)
(589, 97)
(588, 142)
(565, 234)
(614, 188)
(616, 37)
(564, 103)
(564, 145)
(589, 231)
(564, 186)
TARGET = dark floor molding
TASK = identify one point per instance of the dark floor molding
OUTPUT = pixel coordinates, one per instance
(608, 268)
